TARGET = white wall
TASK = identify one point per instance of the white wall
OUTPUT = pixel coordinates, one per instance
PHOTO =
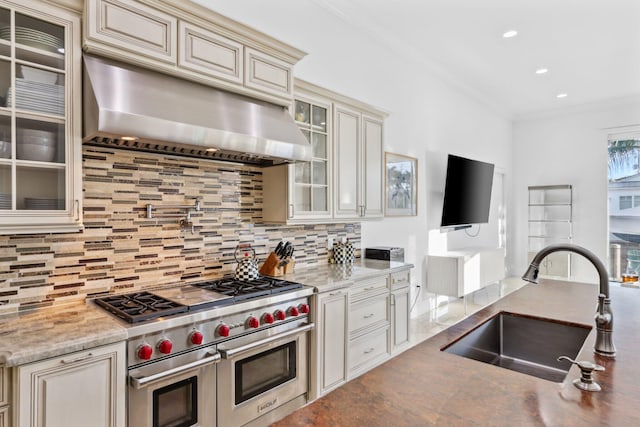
(567, 148)
(426, 115)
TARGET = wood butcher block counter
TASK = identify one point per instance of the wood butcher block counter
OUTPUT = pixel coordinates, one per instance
(425, 386)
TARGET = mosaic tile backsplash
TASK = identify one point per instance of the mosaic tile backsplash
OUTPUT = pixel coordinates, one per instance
(121, 250)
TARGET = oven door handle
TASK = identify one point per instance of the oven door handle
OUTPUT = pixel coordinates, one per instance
(229, 353)
(141, 382)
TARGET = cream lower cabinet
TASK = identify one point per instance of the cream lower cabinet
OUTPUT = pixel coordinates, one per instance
(80, 389)
(329, 359)
(400, 308)
(358, 159)
(4, 397)
(369, 325)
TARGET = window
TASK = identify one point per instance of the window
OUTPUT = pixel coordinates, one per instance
(626, 202)
(636, 201)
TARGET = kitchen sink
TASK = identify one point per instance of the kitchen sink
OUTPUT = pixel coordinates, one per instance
(522, 343)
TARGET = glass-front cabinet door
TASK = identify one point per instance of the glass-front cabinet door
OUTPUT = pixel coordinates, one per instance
(311, 186)
(40, 170)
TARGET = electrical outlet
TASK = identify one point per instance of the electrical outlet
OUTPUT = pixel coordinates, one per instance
(329, 242)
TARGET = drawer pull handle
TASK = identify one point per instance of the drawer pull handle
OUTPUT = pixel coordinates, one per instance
(370, 288)
(369, 351)
(333, 294)
(77, 359)
(369, 316)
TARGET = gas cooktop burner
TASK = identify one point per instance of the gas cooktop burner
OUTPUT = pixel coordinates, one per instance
(246, 289)
(140, 306)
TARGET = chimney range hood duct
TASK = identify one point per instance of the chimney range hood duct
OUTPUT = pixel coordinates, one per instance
(131, 107)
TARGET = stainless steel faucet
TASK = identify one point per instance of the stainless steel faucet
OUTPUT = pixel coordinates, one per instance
(604, 317)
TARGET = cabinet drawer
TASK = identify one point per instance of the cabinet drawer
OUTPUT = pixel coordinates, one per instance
(368, 312)
(368, 287)
(209, 53)
(4, 385)
(400, 279)
(130, 25)
(368, 349)
(267, 74)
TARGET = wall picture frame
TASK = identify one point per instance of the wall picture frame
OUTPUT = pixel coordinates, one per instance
(401, 185)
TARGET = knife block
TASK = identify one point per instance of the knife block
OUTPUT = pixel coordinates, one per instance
(270, 266)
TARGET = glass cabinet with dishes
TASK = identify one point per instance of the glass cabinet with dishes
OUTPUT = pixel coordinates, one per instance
(310, 183)
(40, 88)
(301, 192)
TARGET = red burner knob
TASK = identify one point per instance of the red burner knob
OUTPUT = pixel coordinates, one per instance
(145, 351)
(165, 346)
(304, 308)
(280, 315)
(196, 337)
(293, 311)
(268, 318)
(223, 330)
(253, 322)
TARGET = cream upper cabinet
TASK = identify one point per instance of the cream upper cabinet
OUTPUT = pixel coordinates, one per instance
(266, 73)
(209, 53)
(130, 25)
(358, 158)
(40, 128)
(347, 174)
(301, 192)
(77, 390)
(182, 38)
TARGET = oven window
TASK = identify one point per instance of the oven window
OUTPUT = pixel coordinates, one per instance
(176, 405)
(264, 371)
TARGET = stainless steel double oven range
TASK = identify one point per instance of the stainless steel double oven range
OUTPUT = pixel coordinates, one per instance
(222, 352)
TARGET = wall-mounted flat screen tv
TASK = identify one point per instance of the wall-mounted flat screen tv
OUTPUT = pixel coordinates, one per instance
(467, 192)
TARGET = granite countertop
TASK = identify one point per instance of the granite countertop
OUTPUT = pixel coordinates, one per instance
(328, 277)
(425, 386)
(53, 331)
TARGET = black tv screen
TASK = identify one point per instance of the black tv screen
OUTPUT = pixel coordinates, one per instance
(467, 192)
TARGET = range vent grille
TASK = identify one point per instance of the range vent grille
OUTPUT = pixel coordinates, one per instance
(180, 150)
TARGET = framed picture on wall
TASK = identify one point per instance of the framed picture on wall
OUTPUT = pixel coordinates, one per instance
(401, 185)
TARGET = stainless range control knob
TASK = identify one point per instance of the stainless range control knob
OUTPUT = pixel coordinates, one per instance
(268, 318)
(144, 351)
(304, 308)
(164, 346)
(223, 330)
(252, 322)
(196, 338)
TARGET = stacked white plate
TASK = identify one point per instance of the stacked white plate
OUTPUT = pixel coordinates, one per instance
(34, 38)
(43, 203)
(37, 96)
(5, 201)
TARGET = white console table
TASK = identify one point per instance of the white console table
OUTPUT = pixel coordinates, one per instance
(459, 273)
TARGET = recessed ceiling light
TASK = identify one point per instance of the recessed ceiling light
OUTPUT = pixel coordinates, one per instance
(129, 138)
(211, 150)
(509, 34)
(542, 71)
(60, 50)
(561, 95)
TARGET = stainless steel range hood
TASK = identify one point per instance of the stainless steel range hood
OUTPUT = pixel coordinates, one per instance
(135, 108)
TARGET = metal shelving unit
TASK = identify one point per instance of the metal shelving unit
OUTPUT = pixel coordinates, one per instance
(550, 222)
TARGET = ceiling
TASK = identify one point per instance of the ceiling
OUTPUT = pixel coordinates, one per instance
(590, 47)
